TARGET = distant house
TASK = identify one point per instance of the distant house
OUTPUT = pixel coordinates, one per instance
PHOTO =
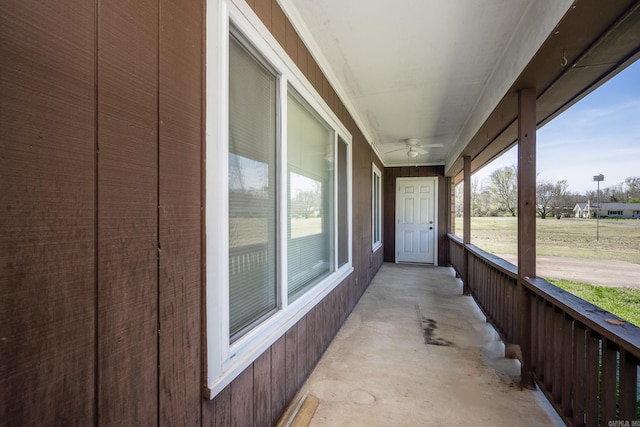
(607, 210)
(582, 210)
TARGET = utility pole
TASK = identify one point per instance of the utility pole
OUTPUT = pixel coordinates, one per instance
(598, 178)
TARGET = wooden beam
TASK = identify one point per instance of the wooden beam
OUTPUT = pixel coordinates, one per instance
(526, 223)
(527, 183)
(466, 221)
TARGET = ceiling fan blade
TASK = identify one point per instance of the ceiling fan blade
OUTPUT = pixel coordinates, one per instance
(430, 145)
(397, 149)
(420, 150)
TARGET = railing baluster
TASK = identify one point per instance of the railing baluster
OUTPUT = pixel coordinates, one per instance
(497, 298)
(486, 289)
(495, 302)
(534, 334)
(592, 378)
(481, 283)
(548, 347)
(608, 386)
(541, 340)
(579, 374)
(628, 386)
(556, 389)
(517, 316)
(502, 301)
(568, 342)
(509, 312)
(504, 287)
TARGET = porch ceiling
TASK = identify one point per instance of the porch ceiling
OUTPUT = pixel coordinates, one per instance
(446, 72)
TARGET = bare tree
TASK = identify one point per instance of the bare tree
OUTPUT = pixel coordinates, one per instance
(475, 197)
(459, 199)
(561, 197)
(503, 186)
(544, 198)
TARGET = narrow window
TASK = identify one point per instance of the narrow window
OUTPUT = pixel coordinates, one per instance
(343, 203)
(376, 208)
(252, 189)
(310, 157)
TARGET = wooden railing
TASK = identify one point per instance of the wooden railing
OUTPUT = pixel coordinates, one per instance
(584, 359)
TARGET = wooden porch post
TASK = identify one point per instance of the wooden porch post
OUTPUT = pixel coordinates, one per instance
(527, 183)
(466, 219)
(526, 222)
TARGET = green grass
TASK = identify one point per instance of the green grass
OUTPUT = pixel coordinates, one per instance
(623, 302)
(567, 237)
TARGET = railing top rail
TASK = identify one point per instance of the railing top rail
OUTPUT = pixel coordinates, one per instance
(626, 336)
(455, 239)
(504, 266)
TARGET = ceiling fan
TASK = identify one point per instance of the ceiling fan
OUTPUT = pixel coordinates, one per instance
(414, 148)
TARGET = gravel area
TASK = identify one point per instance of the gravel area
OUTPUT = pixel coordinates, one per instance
(612, 273)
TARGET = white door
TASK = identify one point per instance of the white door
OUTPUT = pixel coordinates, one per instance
(415, 220)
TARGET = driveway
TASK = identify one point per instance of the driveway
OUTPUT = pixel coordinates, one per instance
(610, 273)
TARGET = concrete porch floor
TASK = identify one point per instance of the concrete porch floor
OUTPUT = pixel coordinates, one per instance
(380, 370)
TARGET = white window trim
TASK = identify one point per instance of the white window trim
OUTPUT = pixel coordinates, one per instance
(226, 361)
(375, 245)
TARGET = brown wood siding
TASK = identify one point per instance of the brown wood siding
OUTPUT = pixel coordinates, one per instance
(101, 234)
(47, 211)
(127, 212)
(179, 246)
(278, 379)
(389, 197)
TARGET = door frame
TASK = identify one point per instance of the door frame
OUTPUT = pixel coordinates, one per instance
(435, 180)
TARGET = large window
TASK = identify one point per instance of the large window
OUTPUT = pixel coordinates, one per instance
(278, 203)
(376, 207)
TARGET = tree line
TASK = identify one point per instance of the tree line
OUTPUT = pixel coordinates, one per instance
(498, 196)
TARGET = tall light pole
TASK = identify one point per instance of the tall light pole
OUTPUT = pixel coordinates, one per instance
(598, 178)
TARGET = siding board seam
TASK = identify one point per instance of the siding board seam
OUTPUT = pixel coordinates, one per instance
(158, 307)
(96, 153)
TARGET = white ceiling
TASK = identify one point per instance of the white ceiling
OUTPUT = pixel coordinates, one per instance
(426, 69)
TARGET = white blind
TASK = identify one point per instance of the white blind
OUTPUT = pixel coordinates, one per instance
(310, 154)
(252, 189)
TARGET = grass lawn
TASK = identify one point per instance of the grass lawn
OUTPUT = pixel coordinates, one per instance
(567, 237)
(623, 302)
(572, 238)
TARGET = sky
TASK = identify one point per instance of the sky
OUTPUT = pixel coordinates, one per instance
(598, 135)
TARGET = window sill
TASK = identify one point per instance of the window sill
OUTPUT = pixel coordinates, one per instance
(248, 348)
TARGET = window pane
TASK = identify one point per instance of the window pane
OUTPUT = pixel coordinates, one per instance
(252, 194)
(376, 207)
(305, 206)
(343, 204)
(310, 154)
